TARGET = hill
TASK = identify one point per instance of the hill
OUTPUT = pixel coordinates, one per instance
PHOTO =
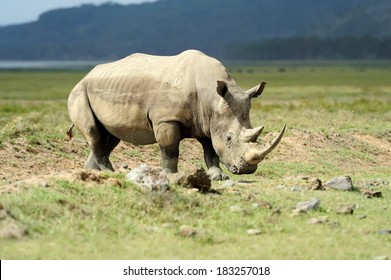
(110, 31)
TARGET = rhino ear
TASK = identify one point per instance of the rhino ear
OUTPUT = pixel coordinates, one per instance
(256, 91)
(222, 88)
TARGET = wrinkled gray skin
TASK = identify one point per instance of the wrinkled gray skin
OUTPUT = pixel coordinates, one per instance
(144, 99)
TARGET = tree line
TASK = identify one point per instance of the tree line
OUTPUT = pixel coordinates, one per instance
(313, 48)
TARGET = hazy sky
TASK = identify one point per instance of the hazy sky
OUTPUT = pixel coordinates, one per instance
(21, 11)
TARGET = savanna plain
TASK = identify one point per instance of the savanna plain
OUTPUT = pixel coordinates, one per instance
(338, 117)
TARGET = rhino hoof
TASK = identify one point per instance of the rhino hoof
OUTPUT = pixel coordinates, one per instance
(217, 174)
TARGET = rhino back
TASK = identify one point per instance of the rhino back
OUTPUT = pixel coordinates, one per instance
(129, 96)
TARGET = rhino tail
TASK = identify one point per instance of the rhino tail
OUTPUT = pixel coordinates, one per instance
(69, 132)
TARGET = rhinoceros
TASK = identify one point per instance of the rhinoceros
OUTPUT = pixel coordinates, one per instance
(145, 99)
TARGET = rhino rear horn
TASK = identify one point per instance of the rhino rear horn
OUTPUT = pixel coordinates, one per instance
(255, 156)
(252, 134)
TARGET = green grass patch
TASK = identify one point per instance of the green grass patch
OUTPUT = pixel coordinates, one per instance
(104, 221)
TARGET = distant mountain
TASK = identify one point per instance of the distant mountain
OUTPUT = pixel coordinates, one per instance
(110, 31)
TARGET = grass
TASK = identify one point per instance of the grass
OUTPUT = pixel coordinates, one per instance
(72, 221)
(339, 122)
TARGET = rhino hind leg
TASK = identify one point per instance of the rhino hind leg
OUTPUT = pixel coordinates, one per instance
(212, 161)
(91, 162)
(102, 144)
(99, 139)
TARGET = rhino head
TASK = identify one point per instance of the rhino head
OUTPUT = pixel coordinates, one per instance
(233, 138)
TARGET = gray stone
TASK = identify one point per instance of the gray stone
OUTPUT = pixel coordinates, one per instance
(342, 183)
(297, 212)
(255, 205)
(347, 209)
(308, 205)
(281, 187)
(319, 220)
(229, 183)
(236, 208)
(254, 231)
(187, 231)
(152, 178)
(384, 231)
(296, 189)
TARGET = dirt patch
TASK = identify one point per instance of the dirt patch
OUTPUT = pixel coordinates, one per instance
(32, 164)
(24, 161)
(363, 149)
(379, 143)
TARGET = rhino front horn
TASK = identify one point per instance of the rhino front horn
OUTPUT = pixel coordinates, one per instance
(255, 156)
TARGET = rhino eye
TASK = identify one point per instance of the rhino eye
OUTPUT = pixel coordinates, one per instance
(229, 140)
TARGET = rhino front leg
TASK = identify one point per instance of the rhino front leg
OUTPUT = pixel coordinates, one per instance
(212, 161)
(168, 136)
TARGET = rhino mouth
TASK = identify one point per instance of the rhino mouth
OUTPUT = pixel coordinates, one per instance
(242, 168)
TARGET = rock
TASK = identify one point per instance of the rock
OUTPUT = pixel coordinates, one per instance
(342, 183)
(384, 231)
(305, 183)
(319, 220)
(10, 228)
(368, 193)
(195, 178)
(310, 183)
(296, 189)
(124, 166)
(87, 175)
(276, 212)
(297, 212)
(193, 191)
(254, 232)
(255, 205)
(236, 208)
(308, 205)
(152, 178)
(187, 231)
(314, 184)
(281, 187)
(266, 205)
(346, 209)
(361, 217)
(375, 183)
(12, 231)
(381, 258)
(229, 184)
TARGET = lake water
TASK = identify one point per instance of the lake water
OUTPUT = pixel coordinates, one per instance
(49, 65)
